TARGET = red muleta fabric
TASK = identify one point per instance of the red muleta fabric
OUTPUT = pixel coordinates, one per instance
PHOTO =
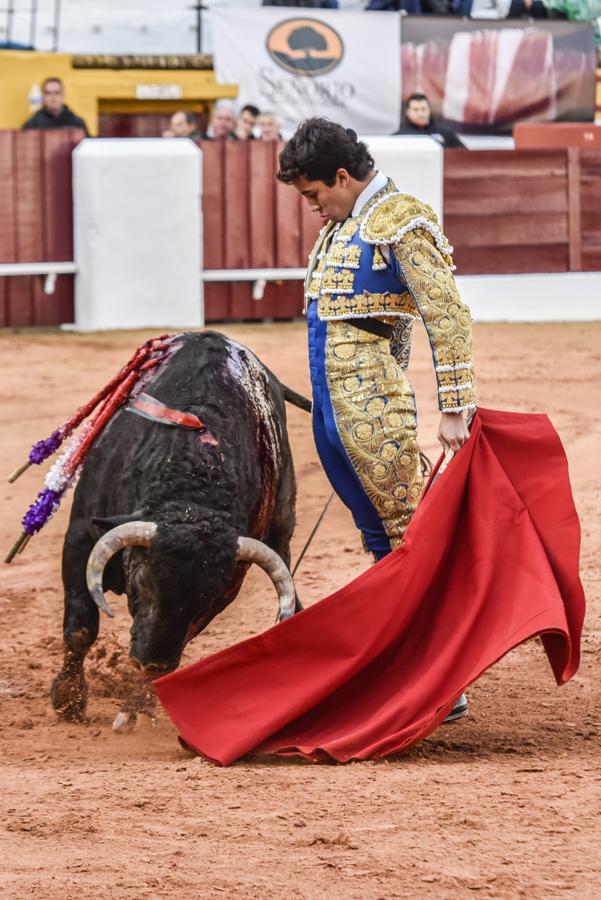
(490, 559)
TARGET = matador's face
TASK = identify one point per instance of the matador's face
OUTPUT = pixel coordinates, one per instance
(333, 202)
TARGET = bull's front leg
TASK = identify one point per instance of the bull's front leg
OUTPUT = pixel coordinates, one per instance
(141, 699)
(69, 691)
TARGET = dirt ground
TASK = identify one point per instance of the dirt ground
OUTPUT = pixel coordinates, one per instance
(506, 803)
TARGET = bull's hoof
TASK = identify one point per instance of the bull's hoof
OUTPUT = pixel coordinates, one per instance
(124, 722)
(69, 695)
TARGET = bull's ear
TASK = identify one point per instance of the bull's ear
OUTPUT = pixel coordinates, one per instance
(108, 522)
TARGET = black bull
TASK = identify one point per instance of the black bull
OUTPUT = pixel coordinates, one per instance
(163, 514)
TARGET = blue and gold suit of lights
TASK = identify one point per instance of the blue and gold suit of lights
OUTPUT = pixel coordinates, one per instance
(391, 261)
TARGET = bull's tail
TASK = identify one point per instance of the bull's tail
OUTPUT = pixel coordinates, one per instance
(296, 399)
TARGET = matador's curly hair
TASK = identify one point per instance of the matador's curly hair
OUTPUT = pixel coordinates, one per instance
(318, 148)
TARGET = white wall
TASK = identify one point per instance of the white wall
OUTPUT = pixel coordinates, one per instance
(414, 163)
(553, 297)
(137, 233)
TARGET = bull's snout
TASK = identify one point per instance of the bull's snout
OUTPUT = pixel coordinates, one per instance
(155, 670)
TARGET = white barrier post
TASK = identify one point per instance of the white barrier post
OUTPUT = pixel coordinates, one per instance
(415, 164)
(137, 233)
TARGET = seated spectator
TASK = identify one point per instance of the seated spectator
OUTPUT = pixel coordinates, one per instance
(418, 120)
(247, 119)
(576, 10)
(411, 7)
(183, 124)
(269, 126)
(55, 113)
(222, 123)
(310, 4)
(540, 9)
(582, 10)
(436, 7)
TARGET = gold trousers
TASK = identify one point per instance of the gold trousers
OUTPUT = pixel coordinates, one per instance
(374, 409)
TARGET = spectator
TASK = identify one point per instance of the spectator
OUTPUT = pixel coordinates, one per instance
(419, 120)
(222, 123)
(549, 9)
(311, 4)
(247, 119)
(55, 113)
(411, 7)
(269, 126)
(461, 8)
(183, 124)
(437, 7)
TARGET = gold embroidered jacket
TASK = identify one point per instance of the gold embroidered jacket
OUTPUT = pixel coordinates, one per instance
(392, 261)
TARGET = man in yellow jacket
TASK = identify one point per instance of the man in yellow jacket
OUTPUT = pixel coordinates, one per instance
(380, 262)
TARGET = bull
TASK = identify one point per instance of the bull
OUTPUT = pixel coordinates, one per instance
(174, 516)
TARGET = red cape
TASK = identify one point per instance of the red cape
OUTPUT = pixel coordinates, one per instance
(489, 560)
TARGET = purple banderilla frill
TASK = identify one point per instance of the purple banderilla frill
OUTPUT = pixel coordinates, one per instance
(64, 472)
(42, 508)
(43, 449)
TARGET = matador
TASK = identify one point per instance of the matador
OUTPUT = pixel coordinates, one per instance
(380, 262)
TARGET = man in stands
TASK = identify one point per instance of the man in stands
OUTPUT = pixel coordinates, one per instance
(55, 113)
(222, 123)
(269, 127)
(419, 120)
(183, 124)
(247, 119)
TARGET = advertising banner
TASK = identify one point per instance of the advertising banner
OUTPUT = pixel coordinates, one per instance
(299, 63)
(485, 76)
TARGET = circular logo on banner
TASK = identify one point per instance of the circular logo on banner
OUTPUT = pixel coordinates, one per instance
(305, 46)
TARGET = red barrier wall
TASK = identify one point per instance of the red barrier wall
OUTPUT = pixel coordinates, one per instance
(507, 211)
(252, 221)
(36, 222)
(522, 211)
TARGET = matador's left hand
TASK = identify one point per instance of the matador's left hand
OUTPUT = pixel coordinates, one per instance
(453, 431)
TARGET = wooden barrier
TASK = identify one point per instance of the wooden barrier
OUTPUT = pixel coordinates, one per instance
(508, 211)
(36, 223)
(252, 221)
(590, 209)
(505, 212)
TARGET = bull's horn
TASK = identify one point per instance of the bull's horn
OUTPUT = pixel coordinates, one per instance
(250, 550)
(130, 534)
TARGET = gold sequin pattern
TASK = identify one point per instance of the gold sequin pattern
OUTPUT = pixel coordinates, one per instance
(387, 219)
(334, 281)
(339, 306)
(317, 263)
(375, 415)
(347, 230)
(378, 261)
(344, 255)
(446, 318)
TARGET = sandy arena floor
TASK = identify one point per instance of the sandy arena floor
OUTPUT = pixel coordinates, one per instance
(504, 804)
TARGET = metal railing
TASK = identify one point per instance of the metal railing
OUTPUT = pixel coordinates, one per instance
(50, 269)
(260, 277)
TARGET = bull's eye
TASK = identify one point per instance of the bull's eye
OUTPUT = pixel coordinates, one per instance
(141, 579)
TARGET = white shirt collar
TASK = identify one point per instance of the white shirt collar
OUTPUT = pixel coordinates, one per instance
(376, 184)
